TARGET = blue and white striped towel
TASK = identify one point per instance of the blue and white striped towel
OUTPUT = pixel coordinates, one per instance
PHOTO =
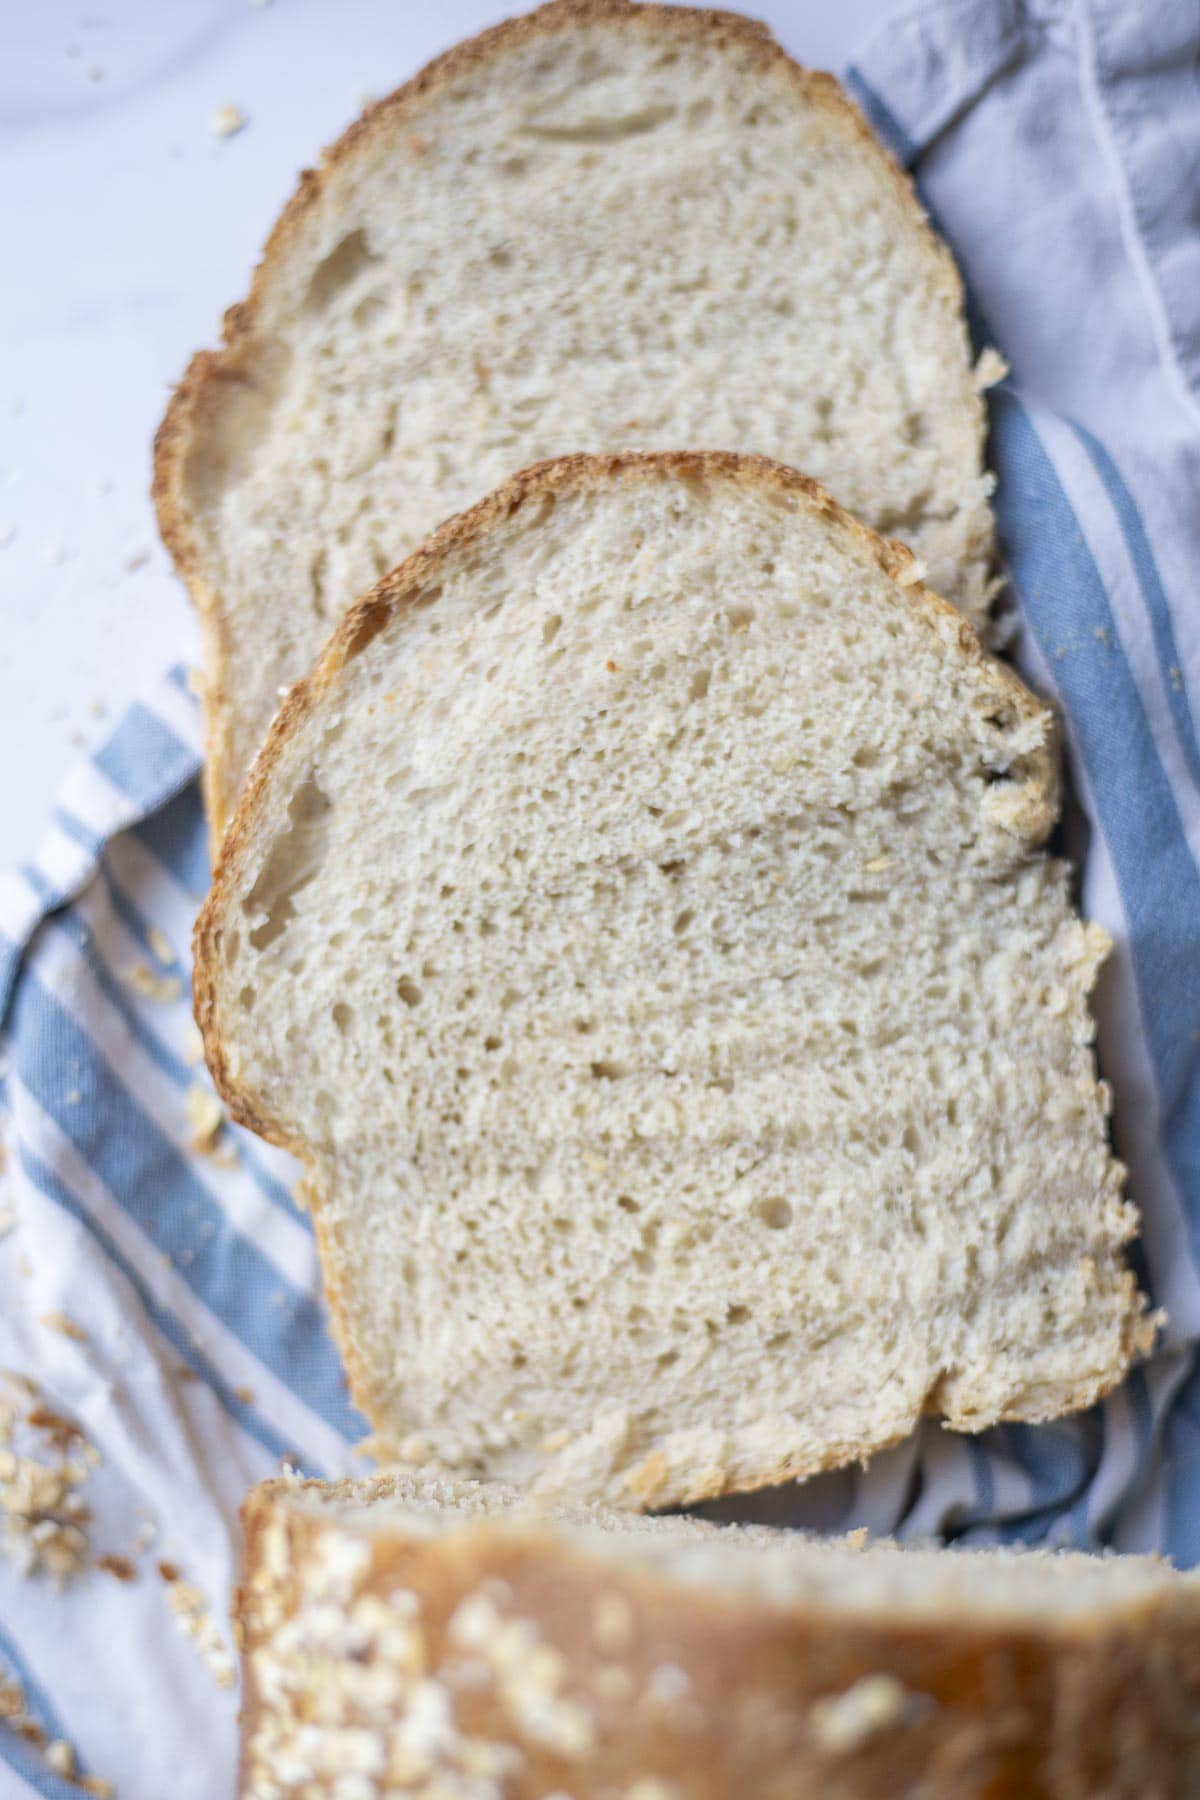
(1058, 146)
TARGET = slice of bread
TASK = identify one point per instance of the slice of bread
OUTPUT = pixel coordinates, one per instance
(637, 927)
(442, 1639)
(597, 227)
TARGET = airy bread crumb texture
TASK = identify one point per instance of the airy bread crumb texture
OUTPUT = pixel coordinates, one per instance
(452, 1642)
(638, 928)
(596, 228)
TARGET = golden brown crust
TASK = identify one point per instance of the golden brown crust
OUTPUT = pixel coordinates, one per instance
(1100, 1705)
(351, 637)
(209, 370)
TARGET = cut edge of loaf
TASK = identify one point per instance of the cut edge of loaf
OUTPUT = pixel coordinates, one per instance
(1030, 817)
(609, 1667)
(209, 370)
(430, 1505)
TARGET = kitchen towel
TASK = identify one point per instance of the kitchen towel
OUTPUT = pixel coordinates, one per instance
(160, 1289)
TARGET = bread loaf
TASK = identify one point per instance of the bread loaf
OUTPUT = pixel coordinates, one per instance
(439, 1640)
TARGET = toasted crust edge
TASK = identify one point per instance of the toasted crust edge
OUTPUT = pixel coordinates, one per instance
(1106, 1703)
(368, 616)
(177, 433)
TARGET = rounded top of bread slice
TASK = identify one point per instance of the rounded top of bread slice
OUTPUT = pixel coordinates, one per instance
(597, 227)
(637, 926)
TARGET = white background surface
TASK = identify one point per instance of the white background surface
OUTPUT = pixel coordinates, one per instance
(126, 228)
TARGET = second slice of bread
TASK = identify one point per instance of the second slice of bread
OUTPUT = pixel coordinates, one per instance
(637, 925)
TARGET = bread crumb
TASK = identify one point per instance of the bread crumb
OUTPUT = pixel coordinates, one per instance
(227, 121)
(989, 370)
(204, 1115)
(138, 560)
(195, 1621)
(143, 981)
(245, 1395)
(857, 1539)
(912, 573)
(8, 1220)
(13, 1705)
(120, 1566)
(60, 1757)
(193, 1046)
(44, 1516)
(59, 1431)
(161, 945)
(64, 1325)
(843, 1723)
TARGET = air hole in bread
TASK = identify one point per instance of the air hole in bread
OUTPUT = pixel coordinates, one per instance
(593, 129)
(608, 1071)
(294, 860)
(316, 582)
(343, 265)
(368, 311)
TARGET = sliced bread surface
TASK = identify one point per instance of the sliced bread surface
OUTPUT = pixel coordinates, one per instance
(444, 1639)
(637, 926)
(599, 226)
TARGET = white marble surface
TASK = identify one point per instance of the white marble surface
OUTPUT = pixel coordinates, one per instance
(126, 227)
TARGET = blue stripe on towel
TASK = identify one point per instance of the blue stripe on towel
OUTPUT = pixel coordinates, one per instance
(137, 1163)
